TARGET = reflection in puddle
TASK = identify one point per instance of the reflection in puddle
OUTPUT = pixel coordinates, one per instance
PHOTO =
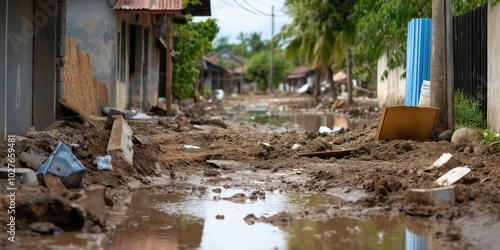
(309, 122)
(195, 220)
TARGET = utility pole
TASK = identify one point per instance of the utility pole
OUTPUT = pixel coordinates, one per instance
(441, 86)
(271, 65)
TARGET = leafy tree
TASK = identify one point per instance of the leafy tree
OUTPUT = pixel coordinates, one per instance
(257, 69)
(194, 42)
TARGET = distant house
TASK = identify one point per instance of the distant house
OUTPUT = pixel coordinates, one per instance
(126, 42)
(299, 77)
(32, 49)
(223, 70)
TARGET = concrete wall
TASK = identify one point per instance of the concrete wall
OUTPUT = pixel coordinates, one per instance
(93, 25)
(16, 59)
(493, 115)
(391, 90)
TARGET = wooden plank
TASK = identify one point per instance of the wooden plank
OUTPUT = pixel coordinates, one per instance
(407, 123)
(328, 154)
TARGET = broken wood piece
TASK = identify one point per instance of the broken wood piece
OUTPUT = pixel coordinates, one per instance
(329, 154)
(407, 123)
(453, 176)
(75, 114)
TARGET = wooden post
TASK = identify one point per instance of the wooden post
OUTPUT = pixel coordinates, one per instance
(450, 72)
(438, 61)
(168, 70)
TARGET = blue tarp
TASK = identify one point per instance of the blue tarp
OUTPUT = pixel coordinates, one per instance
(62, 162)
(418, 58)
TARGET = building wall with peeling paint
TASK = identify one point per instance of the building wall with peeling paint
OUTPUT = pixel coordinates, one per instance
(93, 25)
(493, 114)
(123, 51)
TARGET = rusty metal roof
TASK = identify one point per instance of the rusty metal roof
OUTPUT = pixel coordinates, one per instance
(149, 6)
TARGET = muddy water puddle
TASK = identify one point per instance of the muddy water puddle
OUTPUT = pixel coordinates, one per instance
(264, 115)
(210, 219)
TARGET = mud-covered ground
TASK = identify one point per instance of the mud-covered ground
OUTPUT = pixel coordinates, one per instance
(372, 180)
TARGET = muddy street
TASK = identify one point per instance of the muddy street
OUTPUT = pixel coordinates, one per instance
(252, 172)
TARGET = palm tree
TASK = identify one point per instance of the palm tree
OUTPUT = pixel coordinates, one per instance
(317, 31)
(308, 38)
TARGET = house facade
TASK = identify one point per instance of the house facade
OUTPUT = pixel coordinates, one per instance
(32, 48)
(122, 38)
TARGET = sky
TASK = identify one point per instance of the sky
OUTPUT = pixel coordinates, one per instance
(247, 16)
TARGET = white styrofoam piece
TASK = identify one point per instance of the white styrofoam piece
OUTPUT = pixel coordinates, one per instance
(452, 176)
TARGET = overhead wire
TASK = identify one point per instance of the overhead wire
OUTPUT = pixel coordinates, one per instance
(260, 13)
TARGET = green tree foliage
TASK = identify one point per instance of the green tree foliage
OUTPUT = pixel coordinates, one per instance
(195, 40)
(382, 27)
(257, 69)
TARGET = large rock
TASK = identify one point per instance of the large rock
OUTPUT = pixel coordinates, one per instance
(446, 135)
(466, 136)
(48, 207)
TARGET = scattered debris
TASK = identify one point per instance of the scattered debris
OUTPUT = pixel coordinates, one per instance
(215, 122)
(324, 130)
(120, 146)
(219, 217)
(225, 164)
(103, 162)
(191, 147)
(447, 160)
(109, 111)
(452, 176)
(141, 116)
(197, 127)
(75, 114)
(53, 183)
(32, 161)
(407, 123)
(63, 163)
(296, 146)
(55, 125)
(442, 196)
(142, 139)
(268, 147)
(328, 154)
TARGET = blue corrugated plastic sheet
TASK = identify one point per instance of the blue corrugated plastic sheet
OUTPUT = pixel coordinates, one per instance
(62, 162)
(418, 58)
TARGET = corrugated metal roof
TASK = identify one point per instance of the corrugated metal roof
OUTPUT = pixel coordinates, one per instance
(158, 6)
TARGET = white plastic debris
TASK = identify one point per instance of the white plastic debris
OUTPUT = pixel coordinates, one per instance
(453, 176)
(191, 147)
(296, 146)
(103, 162)
(324, 130)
